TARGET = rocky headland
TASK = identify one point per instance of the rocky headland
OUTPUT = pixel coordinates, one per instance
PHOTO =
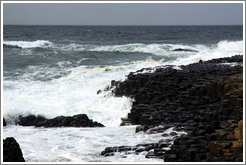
(204, 99)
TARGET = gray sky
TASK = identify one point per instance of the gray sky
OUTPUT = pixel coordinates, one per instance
(123, 14)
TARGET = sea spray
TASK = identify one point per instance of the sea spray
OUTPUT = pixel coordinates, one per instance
(53, 74)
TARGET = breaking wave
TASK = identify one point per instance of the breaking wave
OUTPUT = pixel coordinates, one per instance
(155, 49)
(28, 44)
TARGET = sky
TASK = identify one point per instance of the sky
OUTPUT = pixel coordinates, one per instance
(123, 14)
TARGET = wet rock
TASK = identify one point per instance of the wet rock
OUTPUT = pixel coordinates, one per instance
(30, 120)
(184, 50)
(204, 99)
(4, 122)
(163, 145)
(99, 91)
(12, 151)
(140, 128)
(159, 152)
(173, 134)
(140, 149)
(149, 147)
(150, 154)
(165, 135)
(109, 151)
(170, 157)
(125, 121)
(80, 120)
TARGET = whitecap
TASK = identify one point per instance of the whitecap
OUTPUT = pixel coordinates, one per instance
(28, 44)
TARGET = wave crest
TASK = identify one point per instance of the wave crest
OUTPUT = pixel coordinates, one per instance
(163, 49)
(28, 44)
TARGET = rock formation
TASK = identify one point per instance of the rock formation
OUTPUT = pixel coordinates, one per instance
(12, 151)
(204, 99)
(80, 120)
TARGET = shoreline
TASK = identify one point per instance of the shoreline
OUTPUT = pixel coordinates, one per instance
(204, 99)
(201, 102)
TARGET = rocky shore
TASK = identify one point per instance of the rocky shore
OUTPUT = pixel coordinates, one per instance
(80, 120)
(202, 104)
(203, 99)
(11, 149)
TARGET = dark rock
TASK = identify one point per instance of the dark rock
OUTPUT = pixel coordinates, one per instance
(184, 50)
(165, 135)
(150, 154)
(159, 152)
(12, 46)
(149, 147)
(170, 157)
(200, 98)
(12, 151)
(80, 120)
(140, 128)
(30, 120)
(163, 145)
(173, 134)
(125, 121)
(99, 91)
(109, 151)
(4, 122)
(140, 149)
(109, 154)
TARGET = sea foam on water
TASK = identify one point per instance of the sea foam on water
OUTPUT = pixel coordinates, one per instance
(69, 85)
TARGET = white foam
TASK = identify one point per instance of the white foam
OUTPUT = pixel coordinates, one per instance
(222, 49)
(28, 44)
(230, 46)
(80, 144)
(72, 94)
(158, 49)
(163, 49)
(155, 49)
(69, 95)
(76, 93)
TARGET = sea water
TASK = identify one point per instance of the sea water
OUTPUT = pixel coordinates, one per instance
(57, 70)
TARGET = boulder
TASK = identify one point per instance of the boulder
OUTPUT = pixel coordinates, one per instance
(4, 122)
(12, 151)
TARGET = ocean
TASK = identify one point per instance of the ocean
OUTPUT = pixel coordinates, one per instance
(57, 70)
